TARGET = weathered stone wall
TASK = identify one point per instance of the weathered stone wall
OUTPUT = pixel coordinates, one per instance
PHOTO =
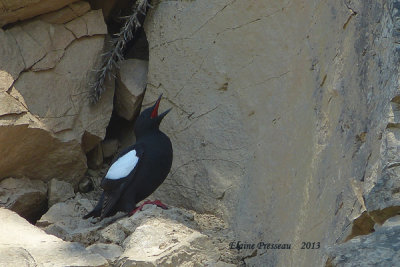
(46, 67)
(279, 113)
(284, 123)
(12, 11)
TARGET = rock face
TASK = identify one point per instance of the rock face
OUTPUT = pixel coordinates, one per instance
(22, 243)
(285, 123)
(46, 122)
(381, 248)
(281, 123)
(12, 11)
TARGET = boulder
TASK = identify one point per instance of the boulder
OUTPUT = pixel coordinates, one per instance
(12, 11)
(15, 257)
(25, 244)
(46, 122)
(131, 83)
(114, 234)
(176, 234)
(382, 198)
(59, 191)
(110, 252)
(170, 243)
(40, 155)
(64, 220)
(26, 197)
(381, 248)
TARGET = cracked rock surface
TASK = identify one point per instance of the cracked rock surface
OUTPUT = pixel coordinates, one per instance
(285, 116)
(45, 119)
(381, 248)
(151, 237)
(25, 244)
(12, 11)
(285, 127)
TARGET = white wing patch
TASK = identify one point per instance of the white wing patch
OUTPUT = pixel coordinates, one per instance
(123, 166)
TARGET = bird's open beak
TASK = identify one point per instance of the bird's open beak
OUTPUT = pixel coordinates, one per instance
(154, 113)
(162, 115)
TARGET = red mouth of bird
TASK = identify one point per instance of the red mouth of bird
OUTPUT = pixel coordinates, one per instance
(154, 113)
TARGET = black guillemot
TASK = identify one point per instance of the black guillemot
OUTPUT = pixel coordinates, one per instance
(138, 170)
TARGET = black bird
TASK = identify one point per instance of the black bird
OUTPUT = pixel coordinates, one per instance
(138, 170)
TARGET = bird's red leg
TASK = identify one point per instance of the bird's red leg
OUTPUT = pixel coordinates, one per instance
(159, 204)
(155, 202)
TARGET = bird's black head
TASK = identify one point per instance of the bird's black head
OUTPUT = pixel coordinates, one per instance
(149, 120)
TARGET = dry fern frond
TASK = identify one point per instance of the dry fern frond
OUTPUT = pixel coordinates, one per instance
(111, 58)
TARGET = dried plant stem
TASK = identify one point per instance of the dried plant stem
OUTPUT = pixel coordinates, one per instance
(111, 58)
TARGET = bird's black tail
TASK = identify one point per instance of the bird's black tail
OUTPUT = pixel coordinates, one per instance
(96, 212)
(110, 198)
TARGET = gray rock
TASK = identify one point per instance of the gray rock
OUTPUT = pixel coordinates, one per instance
(15, 257)
(381, 248)
(30, 246)
(132, 80)
(382, 199)
(110, 252)
(59, 191)
(152, 236)
(170, 243)
(26, 197)
(64, 220)
(113, 234)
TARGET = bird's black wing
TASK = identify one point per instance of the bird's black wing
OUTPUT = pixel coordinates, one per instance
(112, 184)
(119, 175)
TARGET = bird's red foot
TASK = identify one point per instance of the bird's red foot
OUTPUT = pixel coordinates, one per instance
(155, 202)
(160, 204)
